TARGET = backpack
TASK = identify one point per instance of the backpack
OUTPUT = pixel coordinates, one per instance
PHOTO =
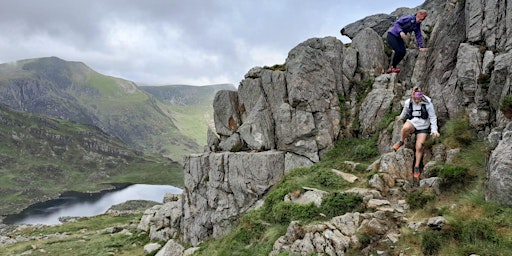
(424, 112)
(411, 25)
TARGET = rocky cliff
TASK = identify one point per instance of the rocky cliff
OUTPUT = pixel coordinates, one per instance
(290, 115)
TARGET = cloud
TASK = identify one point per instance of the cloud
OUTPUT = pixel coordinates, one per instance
(174, 42)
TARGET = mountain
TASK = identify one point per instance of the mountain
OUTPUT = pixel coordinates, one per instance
(281, 124)
(190, 106)
(73, 91)
(42, 157)
(330, 110)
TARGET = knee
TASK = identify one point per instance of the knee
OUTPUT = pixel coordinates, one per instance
(419, 147)
(407, 128)
(400, 52)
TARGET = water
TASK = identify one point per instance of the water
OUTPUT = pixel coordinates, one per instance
(88, 204)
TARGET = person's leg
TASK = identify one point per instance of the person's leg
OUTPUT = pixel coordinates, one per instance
(420, 140)
(407, 129)
(398, 45)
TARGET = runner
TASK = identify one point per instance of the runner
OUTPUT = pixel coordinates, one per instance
(397, 34)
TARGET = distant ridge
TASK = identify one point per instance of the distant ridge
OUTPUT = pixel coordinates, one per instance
(73, 91)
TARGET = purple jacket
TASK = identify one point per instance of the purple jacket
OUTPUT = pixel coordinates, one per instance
(408, 24)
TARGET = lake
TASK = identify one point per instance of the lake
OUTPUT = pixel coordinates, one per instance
(76, 204)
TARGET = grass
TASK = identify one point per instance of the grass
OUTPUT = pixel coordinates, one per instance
(42, 157)
(487, 230)
(257, 231)
(473, 224)
(86, 236)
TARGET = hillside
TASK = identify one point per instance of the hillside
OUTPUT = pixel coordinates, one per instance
(275, 131)
(190, 106)
(42, 157)
(304, 165)
(485, 232)
(73, 91)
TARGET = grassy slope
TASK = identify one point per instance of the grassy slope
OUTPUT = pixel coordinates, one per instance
(117, 106)
(42, 157)
(86, 236)
(191, 107)
(486, 231)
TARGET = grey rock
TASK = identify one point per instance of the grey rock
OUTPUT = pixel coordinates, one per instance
(378, 22)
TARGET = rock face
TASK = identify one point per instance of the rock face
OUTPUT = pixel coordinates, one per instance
(499, 176)
(290, 115)
(219, 187)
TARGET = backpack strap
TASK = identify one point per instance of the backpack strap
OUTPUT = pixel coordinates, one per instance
(409, 114)
(424, 112)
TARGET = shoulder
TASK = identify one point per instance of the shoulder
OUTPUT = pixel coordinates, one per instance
(405, 18)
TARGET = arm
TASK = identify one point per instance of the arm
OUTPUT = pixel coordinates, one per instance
(404, 110)
(433, 119)
(419, 37)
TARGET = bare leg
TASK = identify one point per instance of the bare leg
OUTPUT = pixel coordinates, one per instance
(420, 139)
(407, 129)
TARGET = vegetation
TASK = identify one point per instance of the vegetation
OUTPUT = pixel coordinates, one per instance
(486, 231)
(276, 67)
(98, 235)
(506, 106)
(473, 226)
(73, 91)
(458, 133)
(42, 157)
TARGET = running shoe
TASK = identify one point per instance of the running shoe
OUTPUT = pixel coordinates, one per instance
(416, 172)
(398, 145)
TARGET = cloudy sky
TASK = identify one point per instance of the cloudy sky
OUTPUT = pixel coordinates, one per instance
(195, 42)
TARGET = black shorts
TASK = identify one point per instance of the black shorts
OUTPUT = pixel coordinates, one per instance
(427, 131)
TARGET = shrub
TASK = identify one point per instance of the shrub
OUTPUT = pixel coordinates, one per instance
(458, 133)
(253, 225)
(285, 212)
(478, 236)
(336, 204)
(431, 242)
(453, 175)
(388, 119)
(418, 198)
(355, 149)
(478, 230)
(341, 99)
(327, 178)
(276, 67)
(506, 106)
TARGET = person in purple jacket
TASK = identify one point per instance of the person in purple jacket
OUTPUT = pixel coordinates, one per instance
(397, 34)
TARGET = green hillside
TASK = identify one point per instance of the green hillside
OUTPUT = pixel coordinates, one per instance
(41, 157)
(190, 106)
(73, 91)
(485, 231)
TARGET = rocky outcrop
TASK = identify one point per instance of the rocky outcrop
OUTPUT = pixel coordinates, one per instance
(385, 199)
(219, 188)
(499, 175)
(379, 23)
(325, 91)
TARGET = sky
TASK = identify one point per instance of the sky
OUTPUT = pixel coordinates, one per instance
(162, 42)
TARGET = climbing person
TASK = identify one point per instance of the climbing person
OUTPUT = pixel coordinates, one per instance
(397, 34)
(421, 120)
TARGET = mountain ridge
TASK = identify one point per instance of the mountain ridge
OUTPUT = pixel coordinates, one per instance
(42, 157)
(73, 91)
